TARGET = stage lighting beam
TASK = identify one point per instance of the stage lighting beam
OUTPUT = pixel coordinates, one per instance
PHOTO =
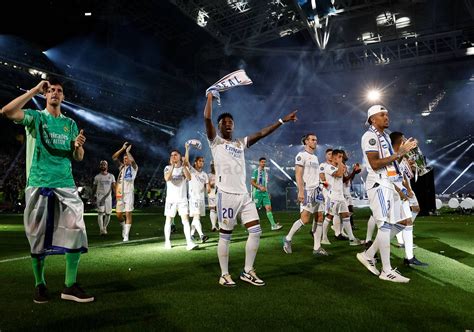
(456, 179)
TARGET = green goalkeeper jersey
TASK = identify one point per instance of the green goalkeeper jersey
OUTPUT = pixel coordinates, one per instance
(51, 154)
(260, 177)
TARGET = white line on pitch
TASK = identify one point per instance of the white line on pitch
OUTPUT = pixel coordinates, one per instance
(92, 247)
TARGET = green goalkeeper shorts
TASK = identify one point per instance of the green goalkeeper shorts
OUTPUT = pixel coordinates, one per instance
(261, 199)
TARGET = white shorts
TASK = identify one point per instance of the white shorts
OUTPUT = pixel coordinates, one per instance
(231, 206)
(311, 202)
(173, 207)
(125, 203)
(381, 204)
(401, 208)
(104, 204)
(338, 207)
(413, 201)
(326, 204)
(197, 207)
(54, 222)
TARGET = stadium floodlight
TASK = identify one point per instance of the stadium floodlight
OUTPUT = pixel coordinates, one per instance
(374, 95)
(402, 22)
(87, 14)
(201, 18)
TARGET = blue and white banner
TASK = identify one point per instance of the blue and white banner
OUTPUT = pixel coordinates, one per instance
(236, 78)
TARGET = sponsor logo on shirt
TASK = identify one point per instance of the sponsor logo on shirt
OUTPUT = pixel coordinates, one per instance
(235, 152)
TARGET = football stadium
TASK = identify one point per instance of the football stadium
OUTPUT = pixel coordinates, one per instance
(261, 165)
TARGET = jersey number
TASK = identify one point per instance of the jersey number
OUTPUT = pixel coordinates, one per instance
(227, 213)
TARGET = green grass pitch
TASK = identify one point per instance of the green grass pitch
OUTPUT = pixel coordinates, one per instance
(142, 287)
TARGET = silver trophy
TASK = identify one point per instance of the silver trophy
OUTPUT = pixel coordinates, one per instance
(419, 162)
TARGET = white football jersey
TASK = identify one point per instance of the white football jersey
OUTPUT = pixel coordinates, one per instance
(326, 169)
(229, 162)
(310, 164)
(176, 191)
(126, 179)
(104, 184)
(370, 143)
(197, 184)
(336, 192)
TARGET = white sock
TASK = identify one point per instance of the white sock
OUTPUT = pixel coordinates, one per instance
(251, 247)
(107, 221)
(346, 223)
(325, 229)
(336, 221)
(295, 228)
(314, 225)
(127, 230)
(317, 236)
(408, 237)
(100, 218)
(383, 238)
(400, 238)
(123, 228)
(197, 225)
(213, 214)
(223, 252)
(167, 229)
(370, 229)
(187, 230)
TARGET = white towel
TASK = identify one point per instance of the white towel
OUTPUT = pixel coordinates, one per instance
(195, 143)
(236, 78)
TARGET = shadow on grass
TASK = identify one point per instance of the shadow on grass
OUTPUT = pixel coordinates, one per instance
(439, 247)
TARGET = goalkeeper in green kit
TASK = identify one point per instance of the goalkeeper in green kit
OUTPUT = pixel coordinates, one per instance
(261, 197)
(53, 216)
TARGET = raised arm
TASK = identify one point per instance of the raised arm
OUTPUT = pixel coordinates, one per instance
(187, 173)
(186, 154)
(210, 130)
(13, 110)
(116, 155)
(130, 157)
(355, 170)
(254, 138)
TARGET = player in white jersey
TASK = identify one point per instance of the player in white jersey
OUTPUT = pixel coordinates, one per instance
(337, 201)
(211, 198)
(233, 199)
(382, 170)
(322, 179)
(348, 177)
(103, 189)
(176, 174)
(309, 195)
(124, 189)
(197, 187)
(405, 193)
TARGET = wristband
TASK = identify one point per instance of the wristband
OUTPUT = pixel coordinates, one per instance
(281, 121)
